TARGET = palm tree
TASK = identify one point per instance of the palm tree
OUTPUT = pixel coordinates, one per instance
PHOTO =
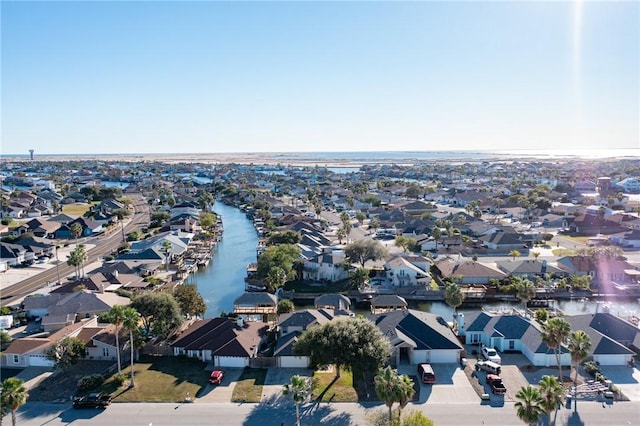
(299, 389)
(12, 396)
(579, 345)
(528, 405)
(525, 291)
(453, 296)
(166, 246)
(551, 394)
(76, 231)
(406, 393)
(388, 388)
(514, 254)
(359, 277)
(436, 233)
(116, 316)
(131, 321)
(554, 333)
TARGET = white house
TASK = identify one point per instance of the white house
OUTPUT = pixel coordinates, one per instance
(401, 272)
(327, 266)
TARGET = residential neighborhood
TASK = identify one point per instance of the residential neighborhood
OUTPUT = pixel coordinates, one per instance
(82, 240)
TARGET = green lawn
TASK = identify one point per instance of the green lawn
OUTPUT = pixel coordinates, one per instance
(563, 252)
(161, 379)
(249, 386)
(76, 209)
(327, 388)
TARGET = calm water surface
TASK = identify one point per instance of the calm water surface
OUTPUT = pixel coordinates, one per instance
(223, 280)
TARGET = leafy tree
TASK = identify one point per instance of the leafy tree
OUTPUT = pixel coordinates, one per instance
(282, 256)
(190, 301)
(159, 218)
(285, 306)
(528, 405)
(551, 394)
(554, 333)
(374, 224)
(358, 277)
(453, 296)
(350, 343)
(299, 389)
(407, 243)
(579, 345)
(286, 237)
(362, 250)
(207, 220)
(360, 217)
(66, 352)
(13, 395)
(159, 312)
(5, 339)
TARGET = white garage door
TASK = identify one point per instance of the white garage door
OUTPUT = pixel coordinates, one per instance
(610, 359)
(294, 362)
(444, 356)
(231, 361)
(40, 361)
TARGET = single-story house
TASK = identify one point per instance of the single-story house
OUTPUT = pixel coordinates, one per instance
(418, 337)
(224, 341)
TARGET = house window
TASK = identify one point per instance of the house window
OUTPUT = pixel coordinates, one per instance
(105, 352)
(16, 359)
(512, 345)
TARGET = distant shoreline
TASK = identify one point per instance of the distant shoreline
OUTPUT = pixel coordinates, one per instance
(345, 159)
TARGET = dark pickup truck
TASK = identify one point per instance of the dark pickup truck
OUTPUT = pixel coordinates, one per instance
(495, 383)
(92, 400)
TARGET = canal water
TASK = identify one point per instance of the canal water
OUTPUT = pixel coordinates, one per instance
(222, 281)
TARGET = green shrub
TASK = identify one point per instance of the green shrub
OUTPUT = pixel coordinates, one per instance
(592, 368)
(90, 382)
(119, 379)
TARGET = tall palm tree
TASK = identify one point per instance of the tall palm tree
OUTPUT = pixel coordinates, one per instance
(298, 388)
(528, 405)
(131, 321)
(579, 345)
(525, 291)
(166, 246)
(388, 388)
(551, 395)
(116, 316)
(453, 296)
(406, 392)
(12, 396)
(358, 277)
(554, 333)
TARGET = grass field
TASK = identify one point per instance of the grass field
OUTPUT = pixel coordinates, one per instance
(161, 379)
(249, 386)
(76, 209)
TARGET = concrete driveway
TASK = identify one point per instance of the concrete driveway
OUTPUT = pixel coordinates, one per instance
(277, 378)
(625, 378)
(451, 384)
(223, 391)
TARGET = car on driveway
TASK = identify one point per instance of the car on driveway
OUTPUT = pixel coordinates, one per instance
(216, 377)
(495, 383)
(488, 367)
(491, 355)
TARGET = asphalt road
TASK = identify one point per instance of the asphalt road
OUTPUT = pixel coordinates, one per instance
(103, 246)
(282, 412)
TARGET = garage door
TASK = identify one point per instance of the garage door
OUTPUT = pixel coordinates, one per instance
(610, 359)
(444, 356)
(294, 362)
(231, 361)
(40, 361)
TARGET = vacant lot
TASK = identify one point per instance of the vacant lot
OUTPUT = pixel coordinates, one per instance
(75, 209)
(61, 386)
(326, 387)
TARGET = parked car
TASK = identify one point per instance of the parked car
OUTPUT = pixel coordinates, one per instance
(216, 377)
(491, 355)
(495, 383)
(426, 374)
(92, 400)
(489, 367)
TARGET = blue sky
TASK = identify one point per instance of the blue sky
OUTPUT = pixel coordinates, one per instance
(183, 77)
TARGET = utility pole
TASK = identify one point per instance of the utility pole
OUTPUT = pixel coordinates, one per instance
(57, 263)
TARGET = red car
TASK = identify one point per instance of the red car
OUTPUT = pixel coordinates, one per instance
(216, 377)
